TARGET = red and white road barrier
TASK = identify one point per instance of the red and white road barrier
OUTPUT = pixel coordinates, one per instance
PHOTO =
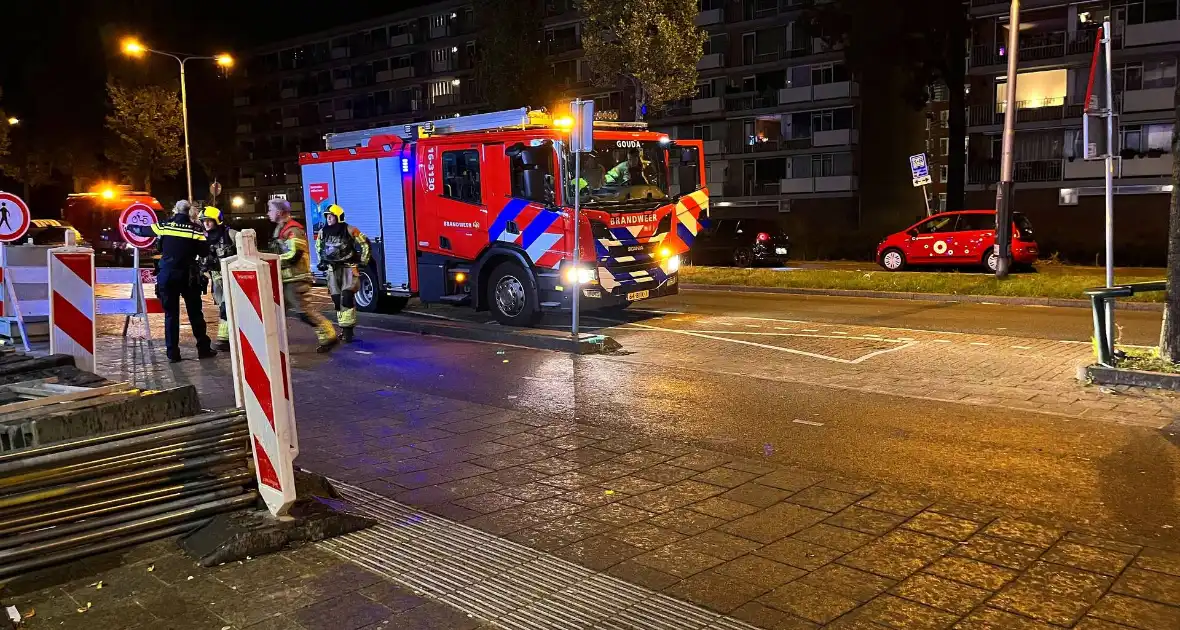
(72, 306)
(261, 372)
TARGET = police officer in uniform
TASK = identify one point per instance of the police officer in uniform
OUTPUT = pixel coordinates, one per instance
(341, 248)
(181, 243)
(222, 244)
(290, 242)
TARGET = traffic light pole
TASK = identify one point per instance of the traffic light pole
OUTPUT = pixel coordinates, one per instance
(1004, 188)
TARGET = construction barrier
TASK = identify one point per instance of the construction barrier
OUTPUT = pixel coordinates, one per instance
(258, 346)
(24, 292)
(72, 305)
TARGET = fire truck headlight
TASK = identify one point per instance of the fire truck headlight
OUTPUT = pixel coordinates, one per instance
(674, 264)
(579, 275)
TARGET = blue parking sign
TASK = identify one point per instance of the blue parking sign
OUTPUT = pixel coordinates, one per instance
(920, 170)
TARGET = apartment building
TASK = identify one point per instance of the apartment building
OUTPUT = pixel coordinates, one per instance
(406, 66)
(1060, 191)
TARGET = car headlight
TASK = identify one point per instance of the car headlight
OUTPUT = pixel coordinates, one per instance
(674, 263)
(579, 275)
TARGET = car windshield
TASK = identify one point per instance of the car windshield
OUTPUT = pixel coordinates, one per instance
(622, 173)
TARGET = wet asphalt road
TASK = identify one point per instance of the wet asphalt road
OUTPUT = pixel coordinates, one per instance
(1114, 478)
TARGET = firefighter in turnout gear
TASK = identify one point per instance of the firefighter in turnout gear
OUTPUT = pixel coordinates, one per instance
(182, 244)
(290, 243)
(342, 249)
(222, 244)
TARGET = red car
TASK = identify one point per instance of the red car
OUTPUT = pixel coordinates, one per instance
(962, 238)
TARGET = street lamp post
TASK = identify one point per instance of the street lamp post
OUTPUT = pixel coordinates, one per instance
(135, 49)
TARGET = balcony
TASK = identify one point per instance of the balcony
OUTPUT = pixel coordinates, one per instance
(397, 41)
(1158, 99)
(439, 31)
(710, 17)
(289, 93)
(341, 84)
(706, 105)
(241, 101)
(835, 137)
(714, 147)
(1047, 110)
(1147, 166)
(821, 92)
(340, 52)
(754, 188)
(1152, 33)
(343, 114)
(291, 178)
(442, 65)
(757, 101)
(444, 100)
(797, 185)
(563, 45)
(246, 181)
(711, 61)
(383, 76)
(1037, 46)
(988, 173)
(243, 128)
(291, 122)
(836, 183)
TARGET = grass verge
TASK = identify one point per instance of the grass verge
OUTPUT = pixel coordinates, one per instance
(1034, 285)
(1147, 360)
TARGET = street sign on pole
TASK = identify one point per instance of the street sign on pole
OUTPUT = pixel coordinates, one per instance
(920, 170)
(14, 218)
(137, 214)
(581, 141)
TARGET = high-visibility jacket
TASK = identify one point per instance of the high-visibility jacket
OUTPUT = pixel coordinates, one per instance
(181, 241)
(342, 244)
(290, 242)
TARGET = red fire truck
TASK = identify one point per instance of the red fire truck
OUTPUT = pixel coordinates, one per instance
(478, 210)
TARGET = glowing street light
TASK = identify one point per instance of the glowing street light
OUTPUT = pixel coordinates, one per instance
(13, 120)
(237, 201)
(133, 48)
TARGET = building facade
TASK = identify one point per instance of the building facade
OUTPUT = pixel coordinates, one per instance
(780, 114)
(1056, 187)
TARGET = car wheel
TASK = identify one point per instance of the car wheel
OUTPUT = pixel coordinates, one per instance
(742, 257)
(991, 260)
(513, 297)
(893, 260)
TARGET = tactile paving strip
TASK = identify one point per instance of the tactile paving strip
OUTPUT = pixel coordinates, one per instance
(503, 582)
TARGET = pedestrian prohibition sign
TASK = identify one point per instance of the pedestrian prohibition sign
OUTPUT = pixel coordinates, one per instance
(137, 214)
(14, 218)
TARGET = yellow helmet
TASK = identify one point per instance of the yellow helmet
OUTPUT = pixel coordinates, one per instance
(211, 213)
(335, 210)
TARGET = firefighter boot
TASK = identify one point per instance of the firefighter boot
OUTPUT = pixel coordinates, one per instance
(326, 338)
(222, 336)
(346, 334)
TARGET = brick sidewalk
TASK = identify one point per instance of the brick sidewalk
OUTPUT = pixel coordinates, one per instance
(775, 546)
(155, 587)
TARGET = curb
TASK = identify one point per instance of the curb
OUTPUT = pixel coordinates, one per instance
(925, 297)
(1114, 376)
(528, 337)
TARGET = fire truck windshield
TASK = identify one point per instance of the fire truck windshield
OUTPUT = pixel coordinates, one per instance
(621, 173)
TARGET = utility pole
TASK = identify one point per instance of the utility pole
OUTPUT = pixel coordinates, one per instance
(1004, 188)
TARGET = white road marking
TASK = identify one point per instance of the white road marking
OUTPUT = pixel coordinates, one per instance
(817, 336)
(839, 332)
(779, 349)
(979, 343)
(868, 335)
(782, 328)
(362, 352)
(434, 315)
(1023, 347)
(752, 326)
(808, 423)
(810, 330)
(1036, 306)
(989, 303)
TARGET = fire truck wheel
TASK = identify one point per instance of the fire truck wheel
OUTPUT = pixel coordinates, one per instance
(368, 298)
(512, 296)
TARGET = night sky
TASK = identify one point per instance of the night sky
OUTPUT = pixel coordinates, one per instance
(56, 56)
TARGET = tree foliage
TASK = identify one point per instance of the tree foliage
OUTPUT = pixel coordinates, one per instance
(1170, 336)
(653, 43)
(510, 63)
(148, 129)
(4, 128)
(923, 40)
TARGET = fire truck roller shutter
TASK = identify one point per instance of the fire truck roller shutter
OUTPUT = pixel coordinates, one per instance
(316, 173)
(393, 223)
(357, 191)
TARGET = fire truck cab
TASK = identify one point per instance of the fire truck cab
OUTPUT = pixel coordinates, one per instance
(479, 210)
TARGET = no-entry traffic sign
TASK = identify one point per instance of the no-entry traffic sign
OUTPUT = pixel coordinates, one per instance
(137, 214)
(14, 218)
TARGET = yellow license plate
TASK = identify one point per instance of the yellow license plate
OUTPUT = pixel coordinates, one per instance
(638, 295)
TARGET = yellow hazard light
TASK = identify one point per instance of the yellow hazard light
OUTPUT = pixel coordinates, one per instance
(108, 193)
(460, 278)
(565, 122)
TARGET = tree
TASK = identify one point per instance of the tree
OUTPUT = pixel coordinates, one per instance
(1170, 338)
(147, 124)
(925, 40)
(654, 44)
(510, 60)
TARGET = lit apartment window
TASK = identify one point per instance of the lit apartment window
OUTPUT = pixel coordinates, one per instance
(1035, 89)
